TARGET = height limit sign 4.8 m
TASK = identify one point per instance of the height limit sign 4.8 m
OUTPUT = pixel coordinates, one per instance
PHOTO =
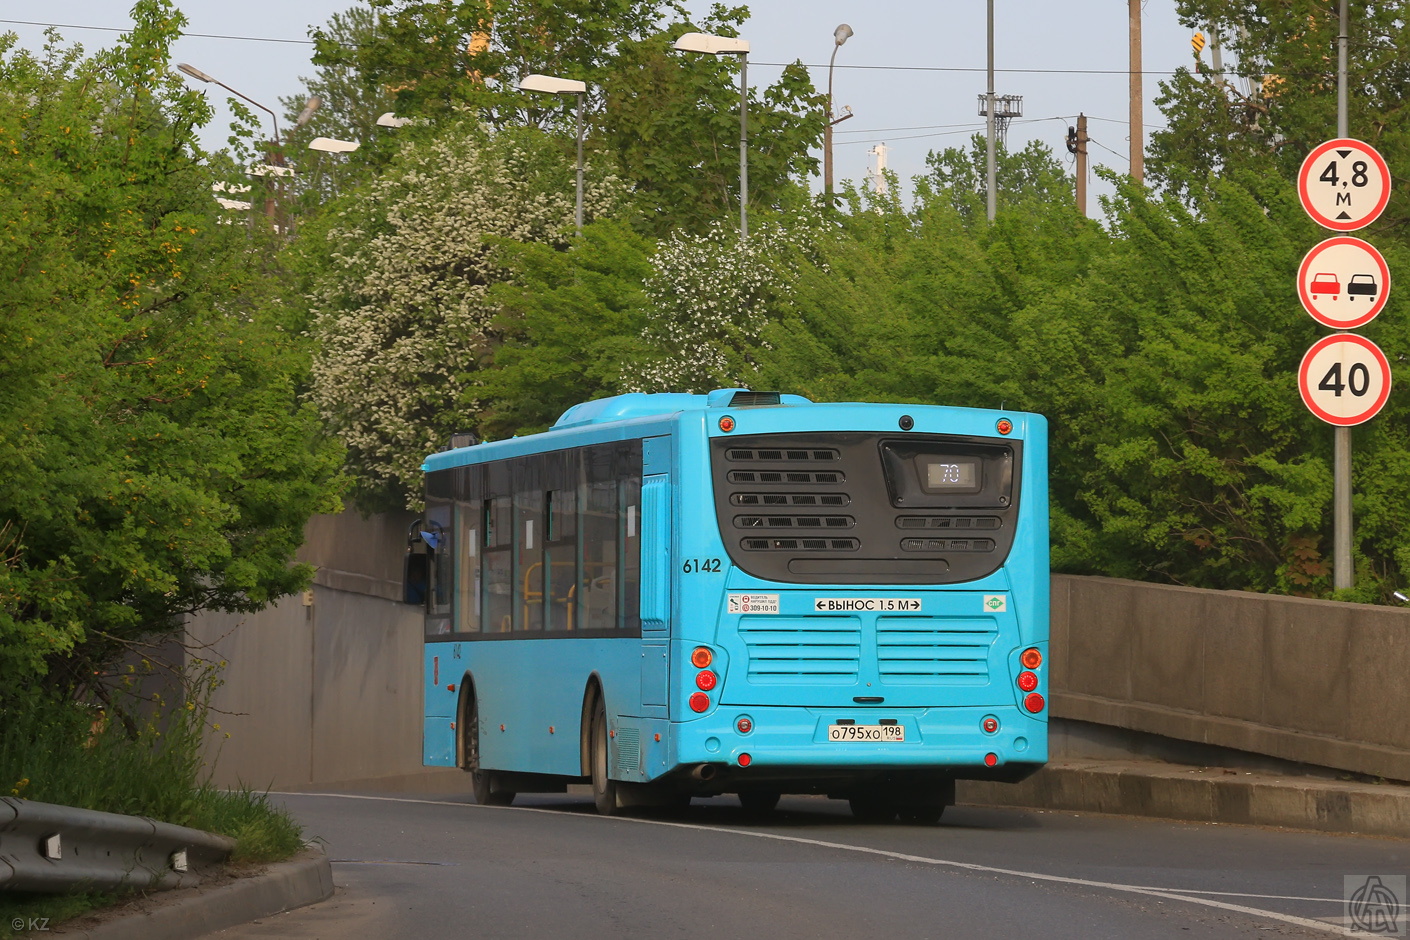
(1344, 184)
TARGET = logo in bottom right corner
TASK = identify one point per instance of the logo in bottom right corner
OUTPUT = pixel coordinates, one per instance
(1375, 905)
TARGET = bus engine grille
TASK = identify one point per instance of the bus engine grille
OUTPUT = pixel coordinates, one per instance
(925, 650)
(808, 651)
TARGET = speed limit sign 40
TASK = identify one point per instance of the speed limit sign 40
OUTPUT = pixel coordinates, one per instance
(1344, 379)
(1344, 184)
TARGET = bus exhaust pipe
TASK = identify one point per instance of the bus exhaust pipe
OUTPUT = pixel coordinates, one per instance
(704, 772)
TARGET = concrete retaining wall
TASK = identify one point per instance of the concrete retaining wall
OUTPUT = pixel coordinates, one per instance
(330, 690)
(1311, 681)
(323, 687)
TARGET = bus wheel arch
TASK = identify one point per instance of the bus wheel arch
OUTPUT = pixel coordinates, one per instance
(597, 750)
(592, 695)
(462, 721)
(483, 782)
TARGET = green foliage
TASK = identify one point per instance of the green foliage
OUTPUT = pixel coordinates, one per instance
(1278, 100)
(399, 290)
(672, 122)
(154, 460)
(570, 325)
(348, 109)
(140, 753)
(439, 58)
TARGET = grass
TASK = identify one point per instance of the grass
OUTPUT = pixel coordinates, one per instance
(146, 761)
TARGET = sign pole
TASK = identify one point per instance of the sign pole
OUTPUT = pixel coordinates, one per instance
(1343, 577)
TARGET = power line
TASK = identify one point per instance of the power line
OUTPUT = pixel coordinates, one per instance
(114, 29)
(878, 68)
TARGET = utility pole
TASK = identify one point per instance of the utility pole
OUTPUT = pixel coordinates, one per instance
(1138, 153)
(990, 178)
(1077, 146)
(1343, 577)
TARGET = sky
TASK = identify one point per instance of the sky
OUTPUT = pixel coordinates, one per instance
(912, 71)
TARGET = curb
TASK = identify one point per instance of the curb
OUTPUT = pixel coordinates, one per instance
(1204, 794)
(305, 879)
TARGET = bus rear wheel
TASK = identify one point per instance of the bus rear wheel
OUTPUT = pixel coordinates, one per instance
(481, 781)
(604, 789)
(873, 807)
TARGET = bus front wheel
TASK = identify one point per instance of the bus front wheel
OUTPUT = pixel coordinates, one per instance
(604, 789)
(481, 781)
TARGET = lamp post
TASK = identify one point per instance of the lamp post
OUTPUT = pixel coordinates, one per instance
(547, 84)
(727, 45)
(200, 76)
(839, 36)
(276, 169)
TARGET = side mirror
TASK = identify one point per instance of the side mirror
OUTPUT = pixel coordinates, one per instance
(415, 578)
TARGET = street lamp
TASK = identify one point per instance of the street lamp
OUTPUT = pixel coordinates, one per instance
(200, 76)
(839, 36)
(275, 156)
(727, 45)
(547, 84)
(333, 145)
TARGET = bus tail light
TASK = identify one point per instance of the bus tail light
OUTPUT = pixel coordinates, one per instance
(990, 724)
(706, 680)
(699, 701)
(744, 725)
(1033, 702)
(991, 760)
(1032, 658)
(745, 760)
(1027, 681)
(701, 656)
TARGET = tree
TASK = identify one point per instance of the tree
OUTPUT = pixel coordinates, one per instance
(570, 325)
(1279, 100)
(348, 109)
(400, 307)
(672, 122)
(437, 58)
(154, 458)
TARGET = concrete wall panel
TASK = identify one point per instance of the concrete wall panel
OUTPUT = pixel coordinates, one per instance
(265, 703)
(1233, 667)
(1167, 648)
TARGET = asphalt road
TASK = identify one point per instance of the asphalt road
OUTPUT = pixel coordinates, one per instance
(548, 867)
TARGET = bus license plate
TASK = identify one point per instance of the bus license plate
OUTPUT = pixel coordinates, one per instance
(874, 733)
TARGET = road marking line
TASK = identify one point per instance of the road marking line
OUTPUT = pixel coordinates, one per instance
(1168, 894)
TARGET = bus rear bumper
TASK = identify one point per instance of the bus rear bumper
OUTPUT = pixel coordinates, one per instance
(794, 742)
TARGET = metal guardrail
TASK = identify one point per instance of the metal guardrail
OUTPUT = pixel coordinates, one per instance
(51, 848)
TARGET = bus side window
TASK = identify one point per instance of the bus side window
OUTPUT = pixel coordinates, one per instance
(629, 601)
(437, 533)
(560, 589)
(469, 519)
(598, 600)
(498, 567)
(528, 562)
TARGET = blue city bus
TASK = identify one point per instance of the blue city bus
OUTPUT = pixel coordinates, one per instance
(748, 593)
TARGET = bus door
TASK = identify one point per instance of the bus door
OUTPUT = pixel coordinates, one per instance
(656, 512)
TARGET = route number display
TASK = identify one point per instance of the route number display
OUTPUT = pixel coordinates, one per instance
(1344, 379)
(1343, 283)
(1344, 184)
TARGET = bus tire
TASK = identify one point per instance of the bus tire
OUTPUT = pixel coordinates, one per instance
(481, 781)
(604, 788)
(922, 814)
(873, 807)
(759, 801)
